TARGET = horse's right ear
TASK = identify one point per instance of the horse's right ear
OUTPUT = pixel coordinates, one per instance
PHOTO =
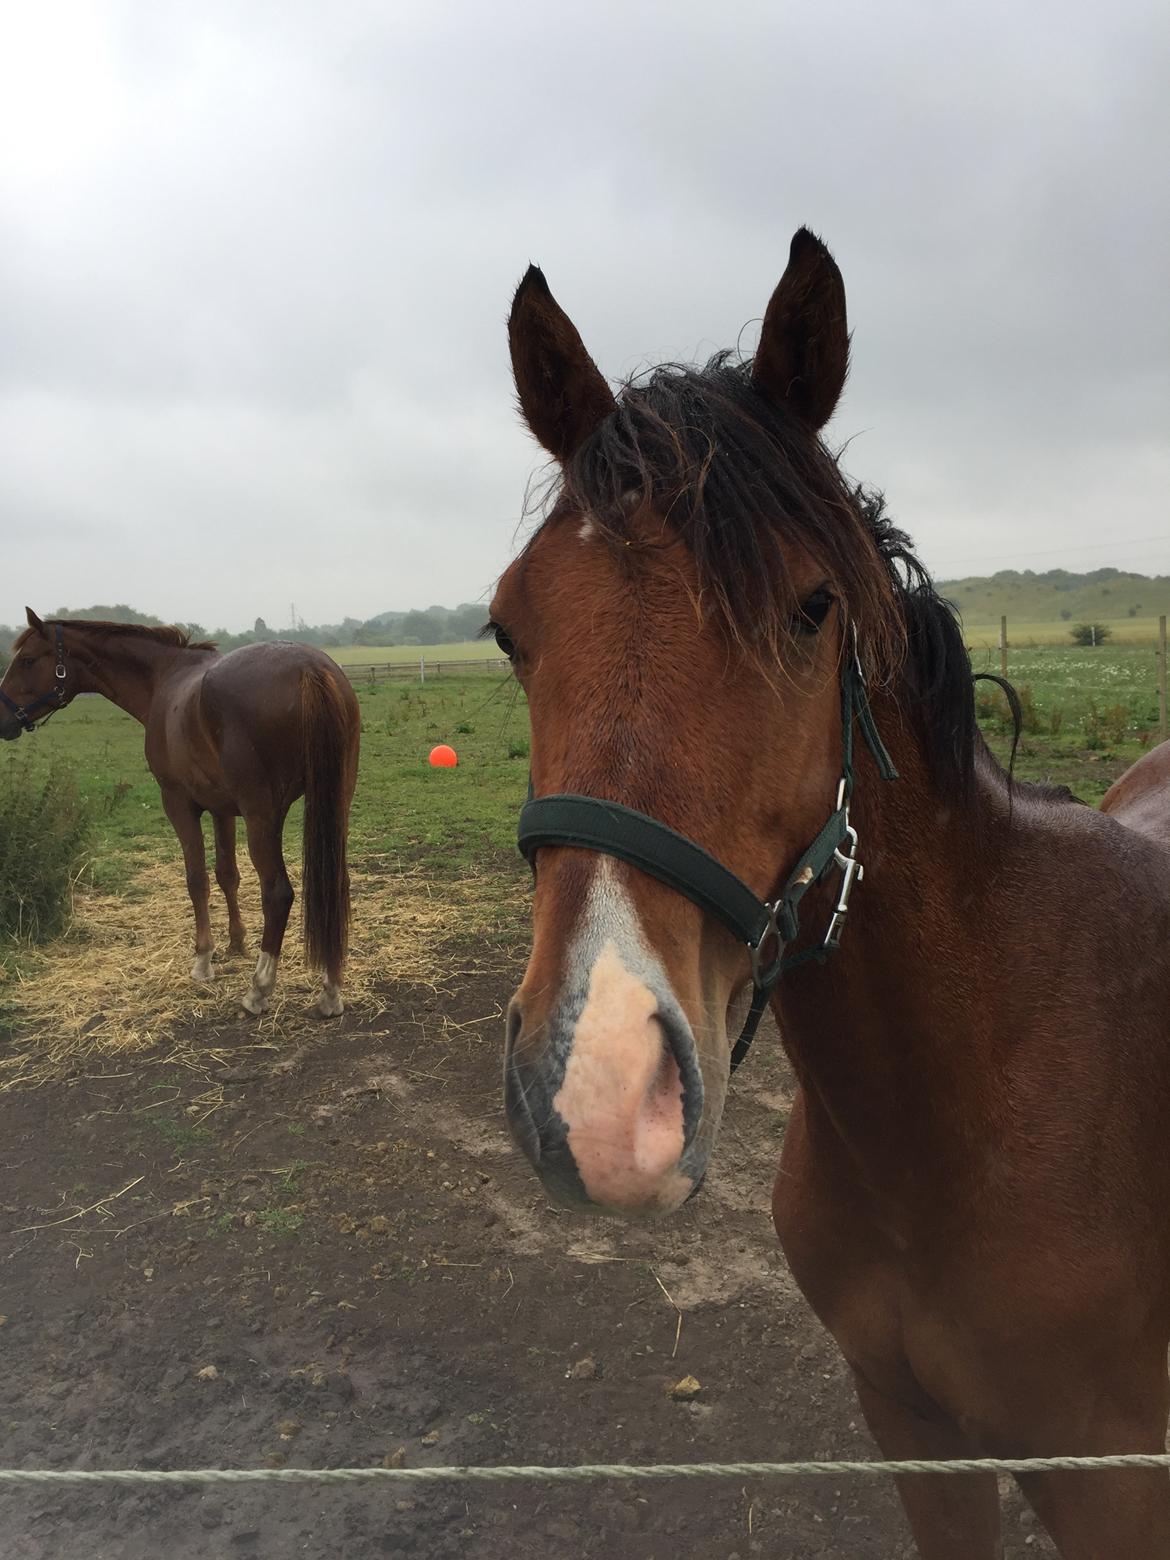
(35, 622)
(562, 393)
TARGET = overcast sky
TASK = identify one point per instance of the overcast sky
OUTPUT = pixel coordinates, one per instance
(255, 262)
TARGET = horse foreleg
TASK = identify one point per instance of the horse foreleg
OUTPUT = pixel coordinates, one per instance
(276, 897)
(227, 875)
(952, 1516)
(1102, 1514)
(185, 819)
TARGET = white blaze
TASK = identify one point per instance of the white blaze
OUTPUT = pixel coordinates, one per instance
(621, 1096)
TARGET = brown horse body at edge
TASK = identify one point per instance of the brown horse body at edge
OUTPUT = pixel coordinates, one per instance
(1141, 797)
(974, 1188)
(238, 735)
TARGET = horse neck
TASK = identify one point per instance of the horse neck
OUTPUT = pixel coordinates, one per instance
(126, 668)
(892, 1038)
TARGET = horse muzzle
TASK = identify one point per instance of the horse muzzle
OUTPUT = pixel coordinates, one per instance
(607, 1104)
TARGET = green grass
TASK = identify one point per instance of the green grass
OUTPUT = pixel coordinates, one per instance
(1095, 711)
(462, 820)
(380, 655)
(982, 635)
(156, 1132)
(403, 809)
(44, 842)
(1072, 676)
(280, 1221)
(104, 748)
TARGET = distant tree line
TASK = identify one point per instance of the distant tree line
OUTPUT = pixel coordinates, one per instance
(1064, 579)
(434, 626)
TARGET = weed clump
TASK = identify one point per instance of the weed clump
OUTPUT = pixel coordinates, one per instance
(45, 830)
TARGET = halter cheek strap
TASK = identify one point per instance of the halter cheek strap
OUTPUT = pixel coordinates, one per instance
(766, 927)
(55, 697)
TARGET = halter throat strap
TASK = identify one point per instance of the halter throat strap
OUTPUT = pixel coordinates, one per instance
(765, 926)
(26, 713)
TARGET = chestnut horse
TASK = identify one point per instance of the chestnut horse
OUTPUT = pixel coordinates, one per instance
(974, 1188)
(1141, 798)
(234, 735)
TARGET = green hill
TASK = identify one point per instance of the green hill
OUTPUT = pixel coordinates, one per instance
(1056, 596)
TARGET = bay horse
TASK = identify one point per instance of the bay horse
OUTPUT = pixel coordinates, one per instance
(974, 1186)
(237, 735)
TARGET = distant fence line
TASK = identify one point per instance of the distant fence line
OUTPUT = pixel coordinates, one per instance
(1163, 702)
(421, 670)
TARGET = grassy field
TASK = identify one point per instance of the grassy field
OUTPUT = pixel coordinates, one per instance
(459, 818)
(1033, 633)
(380, 655)
(433, 850)
(1087, 712)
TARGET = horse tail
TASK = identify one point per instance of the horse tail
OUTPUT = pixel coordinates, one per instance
(327, 728)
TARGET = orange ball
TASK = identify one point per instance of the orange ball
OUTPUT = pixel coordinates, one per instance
(443, 757)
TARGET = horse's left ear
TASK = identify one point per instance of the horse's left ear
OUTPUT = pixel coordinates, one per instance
(561, 389)
(803, 356)
(35, 622)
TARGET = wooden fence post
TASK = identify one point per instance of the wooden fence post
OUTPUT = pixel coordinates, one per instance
(1003, 646)
(1162, 677)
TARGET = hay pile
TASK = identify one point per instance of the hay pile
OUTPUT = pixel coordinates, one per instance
(118, 981)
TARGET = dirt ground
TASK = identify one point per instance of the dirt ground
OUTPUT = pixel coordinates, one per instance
(321, 1258)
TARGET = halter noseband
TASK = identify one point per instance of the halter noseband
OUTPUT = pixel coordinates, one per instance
(766, 927)
(55, 696)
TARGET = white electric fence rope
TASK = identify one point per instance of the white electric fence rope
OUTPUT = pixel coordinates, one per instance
(583, 1473)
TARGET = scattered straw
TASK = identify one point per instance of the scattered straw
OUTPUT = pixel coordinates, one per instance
(80, 1213)
(119, 980)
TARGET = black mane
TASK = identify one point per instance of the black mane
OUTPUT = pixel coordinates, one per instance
(736, 475)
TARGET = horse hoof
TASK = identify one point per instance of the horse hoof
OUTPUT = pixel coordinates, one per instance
(254, 1003)
(203, 969)
(329, 1007)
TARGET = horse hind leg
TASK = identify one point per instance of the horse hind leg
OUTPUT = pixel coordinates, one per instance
(276, 897)
(329, 1004)
(257, 996)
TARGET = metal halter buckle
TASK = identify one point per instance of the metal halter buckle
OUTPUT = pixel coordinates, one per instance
(764, 975)
(851, 872)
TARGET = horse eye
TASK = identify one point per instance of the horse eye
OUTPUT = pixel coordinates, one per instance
(505, 644)
(27, 660)
(813, 612)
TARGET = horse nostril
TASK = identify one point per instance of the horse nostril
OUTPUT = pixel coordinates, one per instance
(678, 1048)
(519, 1112)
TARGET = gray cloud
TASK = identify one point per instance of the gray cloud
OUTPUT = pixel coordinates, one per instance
(255, 263)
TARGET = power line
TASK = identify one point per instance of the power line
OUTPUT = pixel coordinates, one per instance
(1059, 552)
